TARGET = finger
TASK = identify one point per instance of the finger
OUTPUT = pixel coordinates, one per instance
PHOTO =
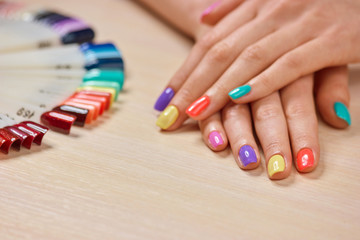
(251, 62)
(216, 11)
(332, 96)
(238, 127)
(303, 60)
(271, 129)
(298, 103)
(213, 132)
(237, 18)
(215, 62)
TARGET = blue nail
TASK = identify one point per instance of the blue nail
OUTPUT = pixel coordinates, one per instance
(239, 92)
(342, 112)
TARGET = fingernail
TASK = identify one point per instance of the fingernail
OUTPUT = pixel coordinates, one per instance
(215, 139)
(276, 164)
(210, 9)
(167, 117)
(247, 155)
(198, 106)
(305, 159)
(342, 112)
(164, 99)
(239, 92)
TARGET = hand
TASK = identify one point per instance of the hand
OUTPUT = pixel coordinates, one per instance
(263, 45)
(275, 118)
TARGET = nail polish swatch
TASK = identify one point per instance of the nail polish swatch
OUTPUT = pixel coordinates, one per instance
(167, 117)
(99, 106)
(92, 114)
(276, 164)
(11, 140)
(38, 136)
(215, 139)
(106, 95)
(210, 9)
(305, 159)
(105, 101)
(198, 106)
(57, 121)
(80, 113)
(247, 155)
(342, 112)
(164, 99)
(239, 92)
(26, 138)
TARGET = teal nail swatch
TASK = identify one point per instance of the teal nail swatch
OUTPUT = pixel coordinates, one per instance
(342, 112)
(239, 92)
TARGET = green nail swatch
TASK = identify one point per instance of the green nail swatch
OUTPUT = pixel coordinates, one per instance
(239, 92)
(342, 112)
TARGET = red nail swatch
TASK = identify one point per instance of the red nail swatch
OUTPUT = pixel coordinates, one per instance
(57, 121)
(38, 136)
(98, 105)
(80, 113)
(11, 140)
(305, 159)
(198, 106)
(105, 101)
(26, 138)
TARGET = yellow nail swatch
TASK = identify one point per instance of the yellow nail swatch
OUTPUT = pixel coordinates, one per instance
(276, 164)
(167, 117)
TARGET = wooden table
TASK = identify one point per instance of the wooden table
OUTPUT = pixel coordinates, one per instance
(122, 178)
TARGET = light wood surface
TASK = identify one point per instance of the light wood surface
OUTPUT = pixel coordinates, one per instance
(122, 178)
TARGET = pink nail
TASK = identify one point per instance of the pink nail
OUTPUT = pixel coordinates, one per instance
(215, 139)
(210, 9)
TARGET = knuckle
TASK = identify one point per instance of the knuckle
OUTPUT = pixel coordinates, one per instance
(266, 82)
(186, 96)
(293, 61)
(267, 111)
(220, 52)
(273, 146)
(296, 111)
(208, 40)
(253, 53)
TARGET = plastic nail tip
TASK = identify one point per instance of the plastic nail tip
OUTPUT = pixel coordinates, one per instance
(198, 106)
(11, 140)
(99, 89)
(36, 126)
(80, 113)
(305, 159)
(27, 139)
(102, 56)
(38, 136)
(113, 85)
(342, 112)
(247, 155)
(103, 100)
(276, 164)
(92, 114)
(168, 117)
(57, 121)
(81, 36)
(105, 75)
(239, 92)
(99, 107)
(164, 99)
(106, 95)
(215, 139)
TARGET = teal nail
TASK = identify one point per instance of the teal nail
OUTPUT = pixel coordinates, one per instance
(342, 112)
(239, 92)
(105, 75)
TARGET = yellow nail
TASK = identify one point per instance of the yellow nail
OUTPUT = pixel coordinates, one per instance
(276, 164)
(167, 117)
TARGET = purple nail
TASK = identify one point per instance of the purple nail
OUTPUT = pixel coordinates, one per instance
(69, 25)
(215, 139)
(247, 155)
(164, 99)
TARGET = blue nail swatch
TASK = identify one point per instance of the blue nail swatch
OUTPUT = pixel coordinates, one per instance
(342, 112)
(239, 92)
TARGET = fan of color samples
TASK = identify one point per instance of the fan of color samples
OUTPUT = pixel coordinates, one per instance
(52, 75)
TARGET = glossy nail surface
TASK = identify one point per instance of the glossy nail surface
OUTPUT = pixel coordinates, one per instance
(11, 141)
(80, 113)
(198, 106)
(305, 159)
(342, 112)
(38, 136)
(210, 9)
(239, 92)
(247, 155)
(164, 99)
(99, 89)
(26, 138)
(57, 121)
(106, 95)
(100, 106)
(215, 139)
(276, 164)
(167, 117)
(92, 114)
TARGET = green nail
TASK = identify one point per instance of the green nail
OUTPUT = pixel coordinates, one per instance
(342, 112)
(239, 92)
(104, 84)
(105, 75)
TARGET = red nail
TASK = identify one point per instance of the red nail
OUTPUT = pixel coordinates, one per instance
(198, 106)
(305, 159)
(79, 113)
(11, 140)
(92, 114)
(26, 138)
(38, 136)
(57, 121)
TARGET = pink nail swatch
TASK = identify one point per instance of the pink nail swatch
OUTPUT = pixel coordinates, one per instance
(215, 139)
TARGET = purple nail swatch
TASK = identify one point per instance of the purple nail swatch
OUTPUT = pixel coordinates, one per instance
(164, 99)
(247, 155)
(215, 139)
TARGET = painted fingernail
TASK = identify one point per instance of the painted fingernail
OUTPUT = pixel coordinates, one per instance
(247, 155)
(210, 9)
(198, 106)
(276, 164)
(164, 99)
(342, 112)
(215, 139)
(305, 159)
(167, 117)
(239, 92)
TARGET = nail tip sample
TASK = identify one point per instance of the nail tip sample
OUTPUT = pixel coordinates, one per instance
(342, 112)
(58, 121)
